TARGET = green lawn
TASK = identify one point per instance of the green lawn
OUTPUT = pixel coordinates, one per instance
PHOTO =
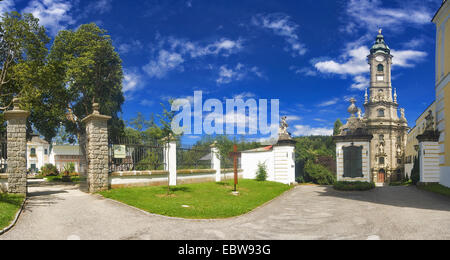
(9, 205)
(205, 200)
(437, 188)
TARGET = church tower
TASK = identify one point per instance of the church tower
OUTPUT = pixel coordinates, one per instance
(371, 148)
(389, 130)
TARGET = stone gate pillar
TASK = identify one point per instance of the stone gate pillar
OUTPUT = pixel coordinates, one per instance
(215, 161)
(170, 159)
(17, 148)
(429, 157)
(97, 150)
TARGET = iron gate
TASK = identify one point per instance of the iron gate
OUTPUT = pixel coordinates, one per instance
(135, 154)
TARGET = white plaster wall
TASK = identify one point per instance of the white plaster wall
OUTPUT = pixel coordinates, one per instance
(445, 176)
(250, 161)
(429, 165)
(284, 164)
(365, 161)
(408, 169)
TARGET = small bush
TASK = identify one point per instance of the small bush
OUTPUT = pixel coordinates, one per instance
(319, 174)
(354, 186)
(49, 170)
(415, 173)
(261, 174)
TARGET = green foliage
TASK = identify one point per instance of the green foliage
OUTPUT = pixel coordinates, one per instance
(49, 170)
(9, 206)
(436, 188)
(415, 173)
(315, 149)
(337, 127)
(69, 168)
(90, 71)
(261, 174)
(318, 174)
(354, 186)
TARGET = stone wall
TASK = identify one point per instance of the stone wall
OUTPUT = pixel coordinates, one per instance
(97, 150)
(97, 155)
(17, 149)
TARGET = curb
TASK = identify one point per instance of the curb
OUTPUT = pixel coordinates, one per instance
(14, 222)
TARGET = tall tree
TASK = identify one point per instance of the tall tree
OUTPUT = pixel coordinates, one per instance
(337, 127)
(91, 71)
(23, 69)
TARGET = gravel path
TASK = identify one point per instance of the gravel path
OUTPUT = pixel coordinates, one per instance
(306, 212)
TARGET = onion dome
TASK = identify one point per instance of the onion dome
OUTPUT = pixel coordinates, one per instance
(380, 45)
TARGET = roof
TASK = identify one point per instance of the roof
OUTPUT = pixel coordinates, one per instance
(260, 150)
(35, 138)
(380, 45)
(443, 3)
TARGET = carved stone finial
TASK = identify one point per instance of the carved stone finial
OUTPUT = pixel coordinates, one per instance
(352, 109)
(16, 104)
(380, 31)
(284, 125)
(96, 108)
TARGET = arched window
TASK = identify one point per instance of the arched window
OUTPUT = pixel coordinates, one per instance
(380, 68)
(33, 152)
(380, 112)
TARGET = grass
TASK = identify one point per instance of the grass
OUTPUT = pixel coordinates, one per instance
(401, 183)
(59, 178)
(204, 200)
(9, 205)
(436, 188)
(354, 186)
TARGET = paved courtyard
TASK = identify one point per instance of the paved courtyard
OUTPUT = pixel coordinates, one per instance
(306, 212)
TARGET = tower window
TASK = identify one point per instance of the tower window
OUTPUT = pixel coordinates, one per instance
(380, 112)
(380, 68)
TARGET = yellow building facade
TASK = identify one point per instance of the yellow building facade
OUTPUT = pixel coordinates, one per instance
(412, 144)
(442, 21)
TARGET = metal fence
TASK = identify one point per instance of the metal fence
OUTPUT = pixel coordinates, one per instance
(192, 158)
(135, 154)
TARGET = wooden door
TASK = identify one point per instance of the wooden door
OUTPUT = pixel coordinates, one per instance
(381, 176)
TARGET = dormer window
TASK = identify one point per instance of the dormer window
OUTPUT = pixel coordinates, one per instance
(380, 68)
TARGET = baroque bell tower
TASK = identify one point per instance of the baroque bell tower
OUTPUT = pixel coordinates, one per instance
(389, 130)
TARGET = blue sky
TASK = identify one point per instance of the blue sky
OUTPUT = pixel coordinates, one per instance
(310, 54)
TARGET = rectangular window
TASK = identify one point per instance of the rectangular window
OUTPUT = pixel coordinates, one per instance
(381, 160)
(353, 162)
(45, 151)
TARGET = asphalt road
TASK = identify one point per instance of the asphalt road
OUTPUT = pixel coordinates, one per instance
(306, 212)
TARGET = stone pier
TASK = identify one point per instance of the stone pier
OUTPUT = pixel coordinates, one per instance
(17, 149)
(97, 150)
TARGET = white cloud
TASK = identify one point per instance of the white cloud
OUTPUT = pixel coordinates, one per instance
(360, 83)
(6, 6)
(244, 95)
(166, 62)
(281, 25)
(306, 130)
(228, 75)
(100, 6)
(172, 53)
(146, 103)
(354, 63)
(132, 81)
(53, 14)
(133, 45)
(370, 15)
(329, 102)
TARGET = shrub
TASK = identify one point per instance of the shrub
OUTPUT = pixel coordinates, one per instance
(49, 170)
(415, 173)
(354, 186)
(261, 174)
(319, 174)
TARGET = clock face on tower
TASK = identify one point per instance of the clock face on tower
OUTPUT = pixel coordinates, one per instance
(379, 58)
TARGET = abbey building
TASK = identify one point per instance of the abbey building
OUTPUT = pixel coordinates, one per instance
(371, 146)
